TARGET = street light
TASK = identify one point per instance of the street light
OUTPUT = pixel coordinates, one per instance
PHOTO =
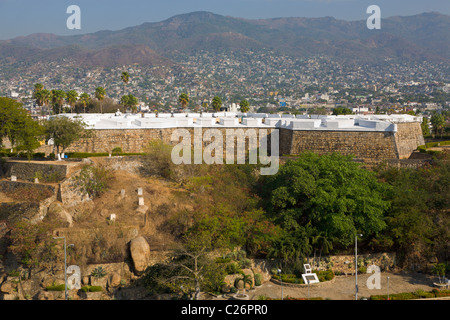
(356, 265)
(279, 272)
(388, 287)
(65, 265)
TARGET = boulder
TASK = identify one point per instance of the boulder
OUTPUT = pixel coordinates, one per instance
(7, 287)
(140, 254)
(114, 280)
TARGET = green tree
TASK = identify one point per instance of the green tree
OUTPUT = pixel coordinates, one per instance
(341, 111)
(71, 98)
(216, 103)
(425, 127)
(17, 125)
(183, 99)
(417, 221)
(129, 101)
(84, 100)
(64, 131)
(58, 97)
(438, 123)
(100, 94)
(245, 106)
(327, 194)
(125, 76)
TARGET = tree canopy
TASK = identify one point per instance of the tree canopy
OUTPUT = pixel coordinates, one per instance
(329, 196)
(17, 125)
(64, 131)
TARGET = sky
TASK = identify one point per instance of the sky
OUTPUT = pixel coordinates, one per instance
(25, 17)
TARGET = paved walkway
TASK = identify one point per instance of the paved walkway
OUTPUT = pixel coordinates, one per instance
(343, 287)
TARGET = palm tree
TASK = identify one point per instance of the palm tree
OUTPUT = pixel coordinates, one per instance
(438, 123)
(71, 98)
(125, 76)
(58, 97)
(183, 99)
(38, 87)
(84, 99)
(244, 106)
(100, 93)
(246, 278)
(129, 101)
(216, 103)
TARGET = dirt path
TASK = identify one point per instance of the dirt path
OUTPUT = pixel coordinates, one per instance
(343, 287)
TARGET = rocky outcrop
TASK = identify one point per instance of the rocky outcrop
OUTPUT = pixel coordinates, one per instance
(56, 212)
(140, 254)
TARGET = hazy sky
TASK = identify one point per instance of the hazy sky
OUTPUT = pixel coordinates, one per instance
(24, 17)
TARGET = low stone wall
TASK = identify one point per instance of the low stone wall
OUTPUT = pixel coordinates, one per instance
(26, 170)
(301, 285)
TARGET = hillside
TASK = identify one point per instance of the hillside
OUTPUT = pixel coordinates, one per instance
(413, 38)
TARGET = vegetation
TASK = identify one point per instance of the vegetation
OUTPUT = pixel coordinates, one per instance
(17, 125)
(419, 294)
(216, 103)
(64, 131)
(93, 180)
(100, 94)
(129, 101)
(33, 244)
(91, 289)
(183, 99)
(245, 106)
(328, 197)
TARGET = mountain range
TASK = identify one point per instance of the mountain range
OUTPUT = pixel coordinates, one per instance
(415, 38)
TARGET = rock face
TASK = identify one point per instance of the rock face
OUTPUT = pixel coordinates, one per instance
(140, 253)
(57, 212)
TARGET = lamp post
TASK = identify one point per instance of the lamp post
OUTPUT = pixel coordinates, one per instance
(65, 265)
(388, 288)
(279, 272)
(356, 265)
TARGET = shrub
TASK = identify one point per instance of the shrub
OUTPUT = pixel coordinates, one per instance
(223, 260)
(158, 160)
(94, 181)
(116, 151)
(419, 294)
(246, 263)
(232, 268)
(258, 279)
(99, 272)
(91, 289)
(60, 287)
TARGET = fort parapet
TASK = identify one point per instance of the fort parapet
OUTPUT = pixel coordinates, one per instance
(371, 138)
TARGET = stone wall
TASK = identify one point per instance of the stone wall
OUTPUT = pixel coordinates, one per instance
(365, 145)
(371, 146)
(26, 170)
(408, 137)
(136, 140)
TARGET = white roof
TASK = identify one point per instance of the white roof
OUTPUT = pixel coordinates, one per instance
(305, 122)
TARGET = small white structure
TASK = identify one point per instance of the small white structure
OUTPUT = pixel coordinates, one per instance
(13, 178)
(139, 191)
(308, 276)
(141, 201)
